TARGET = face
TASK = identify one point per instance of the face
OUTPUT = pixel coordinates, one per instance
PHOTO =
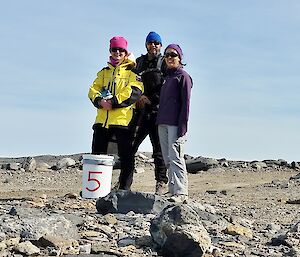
(172, 58)
(153, 47)
(118, 54)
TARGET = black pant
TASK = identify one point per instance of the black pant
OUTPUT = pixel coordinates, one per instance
(124, 138)
(146, 126)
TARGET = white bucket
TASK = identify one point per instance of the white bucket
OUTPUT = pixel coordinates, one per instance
(96, 176)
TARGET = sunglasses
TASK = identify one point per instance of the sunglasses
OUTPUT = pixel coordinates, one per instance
(115, 49)
(154, 42)
(172, 55)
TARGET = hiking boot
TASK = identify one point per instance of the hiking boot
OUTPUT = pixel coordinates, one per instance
(178, 199)
(160, 188)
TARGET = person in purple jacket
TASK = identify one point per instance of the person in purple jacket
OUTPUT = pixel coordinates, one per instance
(172, 120)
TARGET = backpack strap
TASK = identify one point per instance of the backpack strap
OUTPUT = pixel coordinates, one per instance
(159, 62)
(139, 64)
(159, 65)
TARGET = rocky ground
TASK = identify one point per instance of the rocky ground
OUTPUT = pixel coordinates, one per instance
(246, 208)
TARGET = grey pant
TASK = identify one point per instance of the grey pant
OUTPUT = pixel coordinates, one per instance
(172, 151)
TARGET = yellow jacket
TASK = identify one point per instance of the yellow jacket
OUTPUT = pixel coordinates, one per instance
(125, 87)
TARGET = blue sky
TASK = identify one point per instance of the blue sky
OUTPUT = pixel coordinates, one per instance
(243, 57)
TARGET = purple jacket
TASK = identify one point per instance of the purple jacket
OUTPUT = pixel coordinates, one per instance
(174, 101)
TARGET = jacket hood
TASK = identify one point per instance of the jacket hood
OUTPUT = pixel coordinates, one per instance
(130, 60)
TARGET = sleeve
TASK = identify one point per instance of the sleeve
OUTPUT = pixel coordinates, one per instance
(94, 91)
(139, 64)
(130, 93)
(186, 86)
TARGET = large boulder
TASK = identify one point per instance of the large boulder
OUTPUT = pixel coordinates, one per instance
(31, 224)
(194, 165)
(291, 239)
(178, 232)
(29, 164)
(124, 201)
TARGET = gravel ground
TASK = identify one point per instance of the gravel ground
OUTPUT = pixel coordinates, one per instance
(265, 197)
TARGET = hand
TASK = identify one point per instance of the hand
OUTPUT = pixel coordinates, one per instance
(106, 104)
(142, 102)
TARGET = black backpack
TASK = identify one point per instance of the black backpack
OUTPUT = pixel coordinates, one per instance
(151, 74)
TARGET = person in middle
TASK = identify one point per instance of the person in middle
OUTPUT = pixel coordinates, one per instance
(150, 67)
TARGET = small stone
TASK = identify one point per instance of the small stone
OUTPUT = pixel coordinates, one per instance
(13, 211)
(27, 248)
(144, 157)
(85, 249)
(234, 245)
(110, 219)
(29, 164)
(2, 246)
(236, 229)
(90, 233)
(12, 241)
(223, 192)
(13, 166)
(71, 195)
(139, 170)
(212, 192)
(126, 242)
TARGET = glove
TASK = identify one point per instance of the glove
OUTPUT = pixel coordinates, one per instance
(142, 101)
(106, 104)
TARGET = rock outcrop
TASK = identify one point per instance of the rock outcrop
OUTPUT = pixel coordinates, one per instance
(179, 232)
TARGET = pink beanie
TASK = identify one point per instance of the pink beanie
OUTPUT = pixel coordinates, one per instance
(118, 42)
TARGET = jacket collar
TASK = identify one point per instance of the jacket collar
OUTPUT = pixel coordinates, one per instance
(174, 71)
(123, 65)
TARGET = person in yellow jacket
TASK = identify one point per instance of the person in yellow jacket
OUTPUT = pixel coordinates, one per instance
(114, 93)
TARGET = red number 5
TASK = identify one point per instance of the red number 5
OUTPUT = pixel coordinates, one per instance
(94, 179)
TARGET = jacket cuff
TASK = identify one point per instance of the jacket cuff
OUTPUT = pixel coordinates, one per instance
(96, 102)
(182, 130)
(114, 101)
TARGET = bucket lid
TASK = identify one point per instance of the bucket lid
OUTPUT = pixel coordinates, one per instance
(98, 157)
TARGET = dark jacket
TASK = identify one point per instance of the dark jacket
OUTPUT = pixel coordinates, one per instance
(174, 100)
(151, 74)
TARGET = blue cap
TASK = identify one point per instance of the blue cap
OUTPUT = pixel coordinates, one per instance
(153, 36)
